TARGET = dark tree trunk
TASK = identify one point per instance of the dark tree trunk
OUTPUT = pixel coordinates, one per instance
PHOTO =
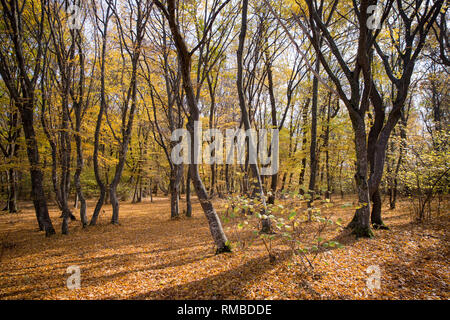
(11, 153)
(188, 195)
(326, 145)
(266, 224)
(375, 219)
(79, 168)
(313, 143)
(301, 177)
(227, 178)
(11, 204)
(37, 190)
(65, 167)
(361, 220)
(283, 181)
(100, 184)
(174, 187)
(274, 177)
(22, 91)
(211, 124)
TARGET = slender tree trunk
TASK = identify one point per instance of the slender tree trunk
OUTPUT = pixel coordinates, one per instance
(65, 167)
(174, 187)
(274, 177)
(266, 224)
(188, 195)
(10, 153)
(301, 177)
(326, 146)
(100, 184)
(11, 205)
(313, 143)
(79, 168)
(184, 58)
(227, 178)
(211, 124)
(283, 181)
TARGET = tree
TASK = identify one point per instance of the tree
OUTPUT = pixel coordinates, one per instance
(20, 73)
(10, 134)
(101, 24)
(370, 152)
(185, 59)
(168, 103)
(266, 225)
(139, 13)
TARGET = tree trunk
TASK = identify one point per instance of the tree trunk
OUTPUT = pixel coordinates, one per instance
(326, 145)
(313, 143)
(301, 177)
(188, 195)
(211, 124)
(65, 167)
(227, 178)
(100, 184)
(174, 187)
(274, 177)
(266, 224)
(213, 219)
(361, 220)
(184, 58)
(375, 219)
(37, 190)
(79, 168)
(11, 205)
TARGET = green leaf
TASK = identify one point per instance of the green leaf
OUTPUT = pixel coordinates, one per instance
(292, 215)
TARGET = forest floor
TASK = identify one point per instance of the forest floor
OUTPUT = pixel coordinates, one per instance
(149, 256)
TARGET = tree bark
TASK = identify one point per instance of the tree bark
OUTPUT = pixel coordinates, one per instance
(79, 167)
(184, 58)
(188, 195)
(361, 220)
(266, 224)
(174, 187)
(37, 190)
(313, 142)
(100, 184)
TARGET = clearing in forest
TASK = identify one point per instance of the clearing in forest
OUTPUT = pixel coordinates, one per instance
(149, 256)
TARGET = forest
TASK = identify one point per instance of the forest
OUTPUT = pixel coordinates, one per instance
(224, 149)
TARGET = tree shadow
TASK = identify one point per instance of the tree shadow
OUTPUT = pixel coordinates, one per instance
(225, 285)
(95, 264)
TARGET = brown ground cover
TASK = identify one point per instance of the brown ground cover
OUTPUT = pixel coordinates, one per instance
(149, 256)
